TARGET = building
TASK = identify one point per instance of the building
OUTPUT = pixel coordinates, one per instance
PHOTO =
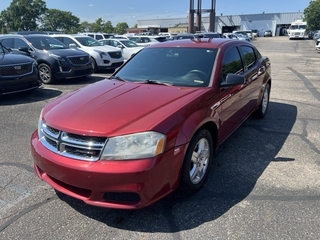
(276, 22)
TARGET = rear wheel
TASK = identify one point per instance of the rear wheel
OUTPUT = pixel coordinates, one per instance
(264, 104)
(197, 162)
(45, 73)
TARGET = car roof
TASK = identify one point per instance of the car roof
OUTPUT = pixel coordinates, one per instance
(70, 35)
(199, 43)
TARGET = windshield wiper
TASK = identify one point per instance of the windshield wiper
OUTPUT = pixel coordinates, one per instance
(118, 78)
(157, 82)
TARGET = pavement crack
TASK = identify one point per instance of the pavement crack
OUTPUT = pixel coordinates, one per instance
(25, 211)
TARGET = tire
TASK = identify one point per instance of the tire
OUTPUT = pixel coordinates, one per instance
(197, 162)
(45, 73)
(94, 65)
(264, 104)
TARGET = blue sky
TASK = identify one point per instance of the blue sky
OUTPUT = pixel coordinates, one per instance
(130, 11)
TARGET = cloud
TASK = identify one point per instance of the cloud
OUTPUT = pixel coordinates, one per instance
(91, 5)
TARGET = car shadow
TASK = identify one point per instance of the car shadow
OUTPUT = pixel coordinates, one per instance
(27, 97)
(240, 162)
(79, 81)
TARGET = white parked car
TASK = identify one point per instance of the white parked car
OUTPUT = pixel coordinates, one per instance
(145, 40)
(127, 47)
(247, 33)
(237, 36)
(98, 35)
(318, 44)
(103, 56)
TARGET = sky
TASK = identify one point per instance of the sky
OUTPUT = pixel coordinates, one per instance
(130, 11)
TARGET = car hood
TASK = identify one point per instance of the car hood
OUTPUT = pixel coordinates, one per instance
(68, 52)
(110, 107)
(103, 48)
(14, 58)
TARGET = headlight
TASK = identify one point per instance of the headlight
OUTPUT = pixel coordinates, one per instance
(101, 53)
(34, 63)
(40, 122)
(134, 146)
(59, 58)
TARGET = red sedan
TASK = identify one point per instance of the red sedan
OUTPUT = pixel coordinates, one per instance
(154, 125)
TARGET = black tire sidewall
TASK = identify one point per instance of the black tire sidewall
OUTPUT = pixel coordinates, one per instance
(259, 113)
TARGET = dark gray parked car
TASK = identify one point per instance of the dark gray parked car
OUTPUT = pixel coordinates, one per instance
(56, 61)
(17, 72)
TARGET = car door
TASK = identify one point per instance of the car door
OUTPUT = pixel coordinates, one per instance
(255, 71)
(233, 99)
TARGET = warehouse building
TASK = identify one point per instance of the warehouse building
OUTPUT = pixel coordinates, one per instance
(276, 22)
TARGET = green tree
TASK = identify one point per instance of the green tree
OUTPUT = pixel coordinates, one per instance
(57, 20)
(121, 28)
(107, 27)
(312, 15)
(97, 26)
(85, 26)
(23, 14)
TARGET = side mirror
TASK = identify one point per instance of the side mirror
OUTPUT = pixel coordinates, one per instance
(232, 80)
(72, 45)
(120, 46)
(24, 49)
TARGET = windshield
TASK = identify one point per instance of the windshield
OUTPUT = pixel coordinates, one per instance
(298, 27)
(88, 41)
(3, 49)
(172, 66)
(46, 43)
(129, 43)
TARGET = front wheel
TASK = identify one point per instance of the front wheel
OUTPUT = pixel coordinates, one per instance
(94, 65)
(197, 162)
(264, 104)
(45, 73)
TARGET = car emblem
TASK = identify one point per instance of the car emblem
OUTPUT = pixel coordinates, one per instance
(82, 58)
(17, 67)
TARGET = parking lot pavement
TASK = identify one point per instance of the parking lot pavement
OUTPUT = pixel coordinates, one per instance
(265, 184)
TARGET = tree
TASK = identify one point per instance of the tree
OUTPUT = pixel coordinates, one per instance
(97, 26)
(85, 26)
(121, 28)
(57, 20)
(23, 15)
(107, 27)
(312, 15)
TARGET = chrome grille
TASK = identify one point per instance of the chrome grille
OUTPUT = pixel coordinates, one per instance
(79, 60)
(115, 54)
(81, 147)
(15, 70)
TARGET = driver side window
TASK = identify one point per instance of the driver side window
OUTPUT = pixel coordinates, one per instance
(231, 63)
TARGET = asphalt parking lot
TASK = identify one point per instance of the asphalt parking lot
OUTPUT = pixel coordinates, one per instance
(265, 184)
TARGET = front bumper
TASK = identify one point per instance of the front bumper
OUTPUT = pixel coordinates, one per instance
(127, 184)
(72, 71)
(14, 85)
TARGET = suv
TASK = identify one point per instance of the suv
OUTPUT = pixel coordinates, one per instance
(17, 72)
(98, 36)
(103, 56)
(128, 47)
(56, 61)
(144, 40)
